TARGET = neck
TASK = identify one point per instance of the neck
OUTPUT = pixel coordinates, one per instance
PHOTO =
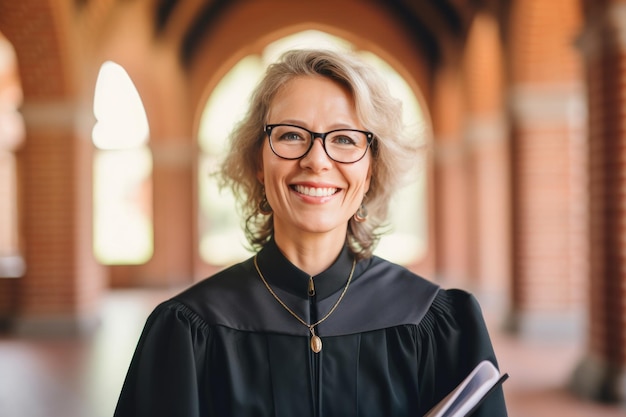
(312, 256)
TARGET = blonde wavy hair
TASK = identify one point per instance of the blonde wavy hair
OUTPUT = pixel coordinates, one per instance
(379, 112)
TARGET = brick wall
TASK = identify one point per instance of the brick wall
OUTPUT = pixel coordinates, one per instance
(453, 196)
(487, 140)
(547, 119)
(606, 69)
(61, 286)
(600, 373)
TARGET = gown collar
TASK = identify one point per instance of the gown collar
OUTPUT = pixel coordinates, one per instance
(280, 272)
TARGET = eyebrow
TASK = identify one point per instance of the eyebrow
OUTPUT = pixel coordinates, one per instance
(302, 124)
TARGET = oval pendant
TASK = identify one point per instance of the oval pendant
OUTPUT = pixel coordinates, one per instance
(316, 344)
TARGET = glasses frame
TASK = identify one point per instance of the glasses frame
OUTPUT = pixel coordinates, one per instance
(314, 135)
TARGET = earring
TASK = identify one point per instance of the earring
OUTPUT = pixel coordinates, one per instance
(361, 214)
(264, 206)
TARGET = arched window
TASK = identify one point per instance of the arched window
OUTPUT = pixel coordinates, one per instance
(222, 241)
(221, 236)
(122, 171)
(11, 137)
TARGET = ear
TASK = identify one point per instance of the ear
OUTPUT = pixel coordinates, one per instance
(260, 175)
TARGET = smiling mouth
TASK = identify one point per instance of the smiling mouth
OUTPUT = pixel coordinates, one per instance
(315, 192)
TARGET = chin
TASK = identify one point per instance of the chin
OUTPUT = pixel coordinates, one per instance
(323, 227)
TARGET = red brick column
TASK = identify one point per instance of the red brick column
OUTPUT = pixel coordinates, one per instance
(452, 208)
(487, 141)
(62, 285)
(602, 372)
(61, 288)
(548, 182)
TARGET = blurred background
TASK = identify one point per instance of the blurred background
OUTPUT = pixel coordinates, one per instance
(113, 114)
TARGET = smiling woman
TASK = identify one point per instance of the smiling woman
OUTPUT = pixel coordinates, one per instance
(406, 239)
(313, 323)
(315, 194)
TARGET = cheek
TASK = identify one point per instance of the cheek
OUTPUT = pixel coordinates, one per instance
(368, 181)
(364, 173)
(273, 172)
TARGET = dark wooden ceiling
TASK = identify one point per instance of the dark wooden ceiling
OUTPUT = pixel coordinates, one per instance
(432, 23)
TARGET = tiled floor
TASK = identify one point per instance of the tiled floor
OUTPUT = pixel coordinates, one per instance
(539, 374)
(82, 378)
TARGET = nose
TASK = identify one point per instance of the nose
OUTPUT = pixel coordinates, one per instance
(316, 159)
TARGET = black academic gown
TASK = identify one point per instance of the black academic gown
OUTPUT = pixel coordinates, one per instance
(394, 346)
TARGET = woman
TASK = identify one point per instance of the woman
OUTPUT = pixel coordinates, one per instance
(313, 324)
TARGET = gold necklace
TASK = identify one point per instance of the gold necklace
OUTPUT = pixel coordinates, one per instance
(316, 342)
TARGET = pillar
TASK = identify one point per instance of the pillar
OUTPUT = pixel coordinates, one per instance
(601, 374)
(62, 284)
(452, 208)
(61, 288)
(487, 139)
(546, 113)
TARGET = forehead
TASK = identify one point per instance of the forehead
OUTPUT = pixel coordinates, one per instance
(312, 96)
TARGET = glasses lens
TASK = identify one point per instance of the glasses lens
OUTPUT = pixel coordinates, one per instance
(292, 142)
(289, 142)
(346, 145)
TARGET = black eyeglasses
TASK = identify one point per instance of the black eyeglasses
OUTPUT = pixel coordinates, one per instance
(341, 145)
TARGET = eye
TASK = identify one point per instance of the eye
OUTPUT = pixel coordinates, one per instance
(291, 136)
(345, 138)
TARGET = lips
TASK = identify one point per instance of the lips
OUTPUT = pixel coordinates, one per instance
(315, 191)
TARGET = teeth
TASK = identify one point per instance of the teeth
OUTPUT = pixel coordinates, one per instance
(315, 192)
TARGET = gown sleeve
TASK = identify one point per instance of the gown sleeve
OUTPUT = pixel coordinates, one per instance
(454, 339)
(164, 377)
